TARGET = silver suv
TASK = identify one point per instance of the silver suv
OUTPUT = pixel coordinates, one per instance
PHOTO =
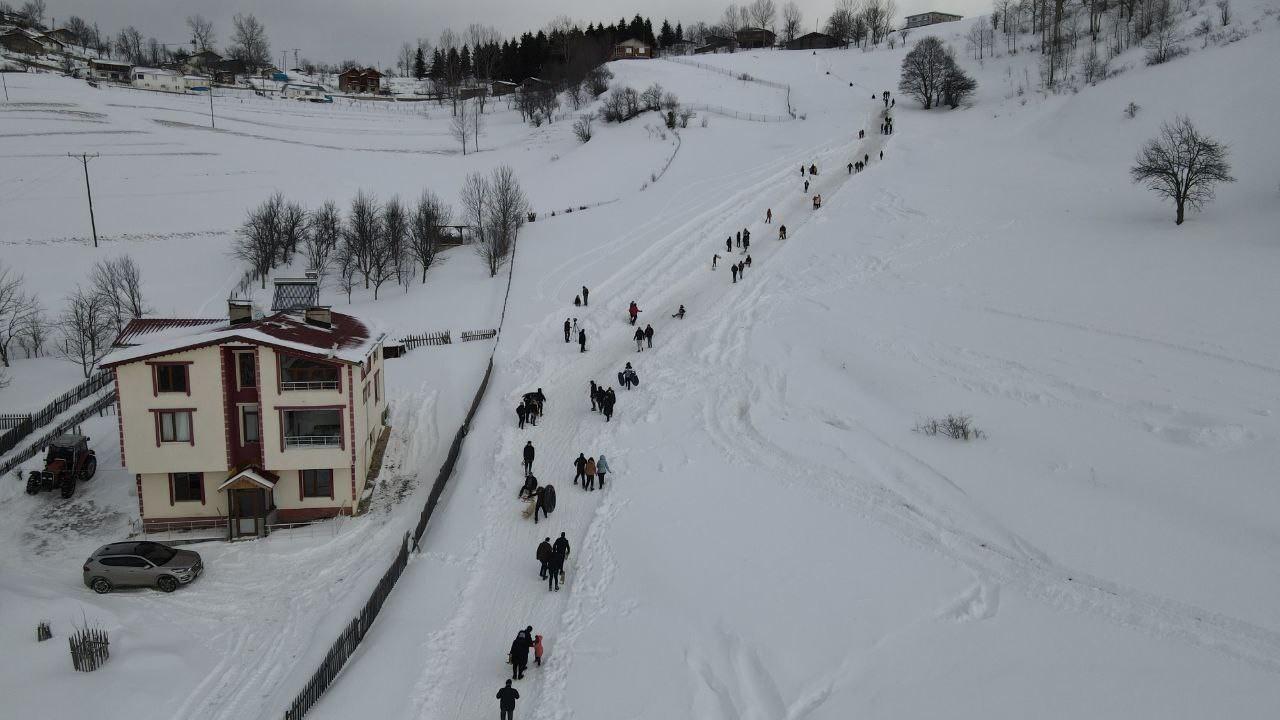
(140, 564)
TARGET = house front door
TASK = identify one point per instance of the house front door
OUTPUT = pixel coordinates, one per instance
(249, 512)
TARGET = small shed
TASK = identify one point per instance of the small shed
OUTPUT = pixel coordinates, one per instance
(302, 91)
(931, 18)
(502, 87)
(158, 79)
(632, 50)
(360, 80)
(716, 44)
(109, 70)
(21, 41)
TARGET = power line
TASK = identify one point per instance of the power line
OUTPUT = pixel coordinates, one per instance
(84, 159)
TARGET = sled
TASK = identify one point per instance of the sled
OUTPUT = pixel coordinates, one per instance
(549, 499)
(530, 506)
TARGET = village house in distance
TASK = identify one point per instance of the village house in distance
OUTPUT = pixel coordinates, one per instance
(249, 421)
(931, 18)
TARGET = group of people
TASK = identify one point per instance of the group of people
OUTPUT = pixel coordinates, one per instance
(886, 127)
(551, 557)
(588, 469)
(740, 268)
(602, 399)
(518, 657)
(530, 408)
(643, 336)
(581, 300)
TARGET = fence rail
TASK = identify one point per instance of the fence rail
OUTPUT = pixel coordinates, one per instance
(744, 77)
(21, 426)
(729, 112)
(469, 335)
(98, 406)
(411, 342)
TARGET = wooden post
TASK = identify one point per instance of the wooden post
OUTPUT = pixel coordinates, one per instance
(84, 159)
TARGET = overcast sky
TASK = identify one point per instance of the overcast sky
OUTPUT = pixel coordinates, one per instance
(371, 30)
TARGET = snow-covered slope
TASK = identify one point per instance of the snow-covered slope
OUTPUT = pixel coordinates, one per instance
(775, 541)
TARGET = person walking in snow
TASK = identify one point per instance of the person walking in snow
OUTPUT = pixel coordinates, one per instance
(737, 239)
(648, 335)
(806, 186)
(585, 292)
(555, 566)
(520, 654)
(562, 546)
(746, 241)
(782, 232)
(715, 257)
(521, 412)
(633, 311)
(582, 340)
(507, 697)
(733, 270)
(742, 269)
(802, 171)
(579, 466)
(813, 169)
(748, 261)
(546, 499)
(577, 301)
(893, 102)
(609, 399)
(639, 338)
(728, 245)
(679, 313)
(544, 556)
(602, 469)
(627, 377)
(850, 168)
(537, 650)
(529, 489)
(566, 329)
(591, 474)
(593, 394)
(528, 457)
(881, 154)
(768, 215)
(866, 159)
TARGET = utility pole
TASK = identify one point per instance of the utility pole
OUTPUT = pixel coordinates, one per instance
(6, 87)
(211, 123)
(84, 158)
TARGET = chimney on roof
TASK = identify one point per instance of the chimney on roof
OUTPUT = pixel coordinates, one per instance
(239, 311)
(320, 316)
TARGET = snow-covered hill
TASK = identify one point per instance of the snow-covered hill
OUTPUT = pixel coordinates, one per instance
(776, 541)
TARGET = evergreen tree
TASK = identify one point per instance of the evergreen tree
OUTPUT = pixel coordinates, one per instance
(419, 64)
(437, 65)
(464, 62)
(665, 36)
(679, 32)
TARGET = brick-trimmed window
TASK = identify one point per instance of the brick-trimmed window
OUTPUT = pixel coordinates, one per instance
(186, 487)
(315, 483)
(377, 386)
(170, 377)
(174, 426)
(246, 369)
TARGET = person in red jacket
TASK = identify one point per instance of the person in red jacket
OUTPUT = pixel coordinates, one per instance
(634, 310)
(537, 650)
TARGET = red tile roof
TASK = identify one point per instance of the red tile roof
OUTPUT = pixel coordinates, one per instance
(147, 326)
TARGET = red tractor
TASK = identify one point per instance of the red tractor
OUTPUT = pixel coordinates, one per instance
(69, 460)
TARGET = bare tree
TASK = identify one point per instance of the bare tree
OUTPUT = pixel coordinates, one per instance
(249, 42)
(792, 20)
(841, 23)
(505, 214)
(1224, 11)
(475, 207)
(923, 70)
(86, 330)
(582, 127)
(258, 241)
(33, 11)
(291, 229)
(34, 333)
(651, 98)
(460, 125)
(128, 45)
(1182, 164)
(344, 261)
(475, 123)
(425, 229)
(324, 232)
(395, 239)
(731, 20)
(201, 32)
(15, 308)
(1163, 43)
(364, 233)
(118, 283)
(763, 13)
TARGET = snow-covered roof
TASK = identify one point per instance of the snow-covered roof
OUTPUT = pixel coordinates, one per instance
(255, 475)
(346, 339)
(153, 71)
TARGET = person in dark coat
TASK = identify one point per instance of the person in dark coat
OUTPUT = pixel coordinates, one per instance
(530, 488)
(555, 564)
(582, 340)
(733, 271)
(742, 268)
(520, 655)
(584, 296)
(866, 159)
(609, 399)
(782, 232)
(528, 457)
(542, 398)
(679, 313)
(737, 239)
(850, 172)
(566, 329)
(806, 186)
(768, 215)
(715, 257)
(748, 261)
(593, 394)
(540, 505)
(728, 245)
(579, 466)
(639, 338)
(577, 301)
(562, 546)
(521, 412)
(507, 697)
(544, 555)
(746, 241)
(590, 482)
(648, 336)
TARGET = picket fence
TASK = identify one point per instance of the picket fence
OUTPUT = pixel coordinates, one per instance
(20, 426)
(98, 407)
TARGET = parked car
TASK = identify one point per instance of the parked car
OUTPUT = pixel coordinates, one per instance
(140, 564)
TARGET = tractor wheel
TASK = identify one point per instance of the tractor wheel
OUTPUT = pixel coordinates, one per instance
(167, 583)
(33, 483)
(90, 468)
(68, 485)
(102, 586)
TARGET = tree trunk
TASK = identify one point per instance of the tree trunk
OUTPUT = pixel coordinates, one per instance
(1180, 202)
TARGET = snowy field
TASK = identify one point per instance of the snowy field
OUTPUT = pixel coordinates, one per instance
(775, 541)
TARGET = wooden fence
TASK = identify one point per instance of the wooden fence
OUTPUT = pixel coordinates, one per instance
(98, 406)
(412, 342)
(20, 428)
(469, 335)
(89, 649)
